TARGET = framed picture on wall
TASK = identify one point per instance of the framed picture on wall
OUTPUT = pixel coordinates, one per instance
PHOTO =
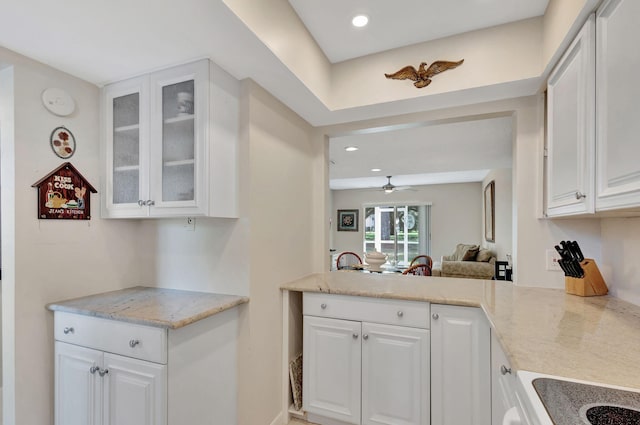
(489, 212)
(347, 220)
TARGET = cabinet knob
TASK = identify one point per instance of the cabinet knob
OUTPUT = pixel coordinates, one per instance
(142, 203)
(355, 336)
(504, 370)
(68, 330)
(365, 337)
(93, 369)
(103, 372)
(323, 306)
(400, 314)
(435, 316)
(133, 342)
(150, 203)
(580, 195)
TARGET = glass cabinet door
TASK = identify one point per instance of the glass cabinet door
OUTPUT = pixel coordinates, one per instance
(179, 102)
(126, 149)
(126, 124)
(178, 142)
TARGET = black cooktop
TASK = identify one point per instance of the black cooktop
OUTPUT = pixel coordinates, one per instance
(573, 403)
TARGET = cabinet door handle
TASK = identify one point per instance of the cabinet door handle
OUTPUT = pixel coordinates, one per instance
(435, 316)
(580, 195)
(94, 369)
(504, 370)
(103, 372)
(365, 337)
(133, 342)
(150, 203)
(355, 336)
(400, 313)
(323, 306)
(142, 203)
(68, 330)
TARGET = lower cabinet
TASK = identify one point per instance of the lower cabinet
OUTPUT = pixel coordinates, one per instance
(362, 372)
(503, 385)
(109, 372)
(93, 387)
(460, 366)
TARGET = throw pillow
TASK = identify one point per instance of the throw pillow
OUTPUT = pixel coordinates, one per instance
(484, 255)
(471, 254)
(461, 250)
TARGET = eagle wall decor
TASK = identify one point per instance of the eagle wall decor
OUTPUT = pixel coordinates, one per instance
(422, 76)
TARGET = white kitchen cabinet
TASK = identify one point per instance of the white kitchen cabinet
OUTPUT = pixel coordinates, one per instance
(617, 94)
(109, 372)
(94, 387)
(460, 366)
(503, 383)
(170, 144)
(571, 128)
(369, 370)
(332, 354)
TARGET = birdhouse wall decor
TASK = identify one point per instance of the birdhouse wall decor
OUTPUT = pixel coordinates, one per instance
(64, 194)
(422, 77)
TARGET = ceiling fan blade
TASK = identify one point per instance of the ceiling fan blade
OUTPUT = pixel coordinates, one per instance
(403, 188)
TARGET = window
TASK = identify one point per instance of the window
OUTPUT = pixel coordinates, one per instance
(400, 231)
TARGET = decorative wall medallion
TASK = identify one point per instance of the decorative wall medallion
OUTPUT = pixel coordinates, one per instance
(422, 76)
(62, 142)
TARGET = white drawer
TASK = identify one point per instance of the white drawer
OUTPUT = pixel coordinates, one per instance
(128, 339)
(365, 309)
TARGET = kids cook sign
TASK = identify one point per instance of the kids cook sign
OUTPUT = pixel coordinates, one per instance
(62, 194)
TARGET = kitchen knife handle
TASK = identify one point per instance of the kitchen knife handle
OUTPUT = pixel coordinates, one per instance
(577, 250)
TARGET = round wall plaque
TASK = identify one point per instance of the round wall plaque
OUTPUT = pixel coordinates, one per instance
(58, 102)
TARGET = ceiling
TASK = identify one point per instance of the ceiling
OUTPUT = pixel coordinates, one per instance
(102, 42)
(395, 24)
(422, 154)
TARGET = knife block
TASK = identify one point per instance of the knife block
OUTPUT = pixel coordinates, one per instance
(590, 285)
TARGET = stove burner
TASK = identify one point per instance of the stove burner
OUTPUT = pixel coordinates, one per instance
(612, 415)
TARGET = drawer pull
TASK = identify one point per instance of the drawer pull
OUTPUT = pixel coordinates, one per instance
(504, 370)
(68, 330)
(400, 313)
(355, 336)
(94, 369)
(103, 372)
(365, 337)
(435, 316)
(133, 342)
(323, 306)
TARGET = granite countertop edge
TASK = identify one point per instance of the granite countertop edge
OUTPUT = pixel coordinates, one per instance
(150, 306)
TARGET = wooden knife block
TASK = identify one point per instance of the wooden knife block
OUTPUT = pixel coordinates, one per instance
(590, 285)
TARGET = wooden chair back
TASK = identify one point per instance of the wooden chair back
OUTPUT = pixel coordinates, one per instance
(422, 259)
(418, 270)
(346, 259)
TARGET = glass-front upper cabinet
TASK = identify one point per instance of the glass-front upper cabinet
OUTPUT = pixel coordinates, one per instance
(157, 144)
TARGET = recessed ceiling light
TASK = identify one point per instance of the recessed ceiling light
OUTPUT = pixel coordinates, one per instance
(351, 148)
(360, 21)
(375, 170)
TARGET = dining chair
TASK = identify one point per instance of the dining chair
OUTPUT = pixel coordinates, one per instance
(346, 259)
(418, 270)
(422, 259)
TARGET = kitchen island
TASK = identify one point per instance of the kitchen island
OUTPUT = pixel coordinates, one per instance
(541, 330)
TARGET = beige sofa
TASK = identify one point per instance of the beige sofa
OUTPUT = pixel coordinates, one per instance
(468, 261)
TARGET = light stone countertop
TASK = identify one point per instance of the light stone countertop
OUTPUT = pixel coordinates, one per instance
(159, 307)
(541, 330)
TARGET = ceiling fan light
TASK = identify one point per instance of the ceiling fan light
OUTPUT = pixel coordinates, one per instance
(388, 190)
(351, 148)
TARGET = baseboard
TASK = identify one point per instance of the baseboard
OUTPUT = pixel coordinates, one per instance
(278, 420)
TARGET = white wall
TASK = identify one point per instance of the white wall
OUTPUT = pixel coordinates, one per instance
(456, 214)
(50, 260)
(279, 169)
(620, 267)
(503, 212)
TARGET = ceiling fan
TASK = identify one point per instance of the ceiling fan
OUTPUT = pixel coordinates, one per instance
(388, 188)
